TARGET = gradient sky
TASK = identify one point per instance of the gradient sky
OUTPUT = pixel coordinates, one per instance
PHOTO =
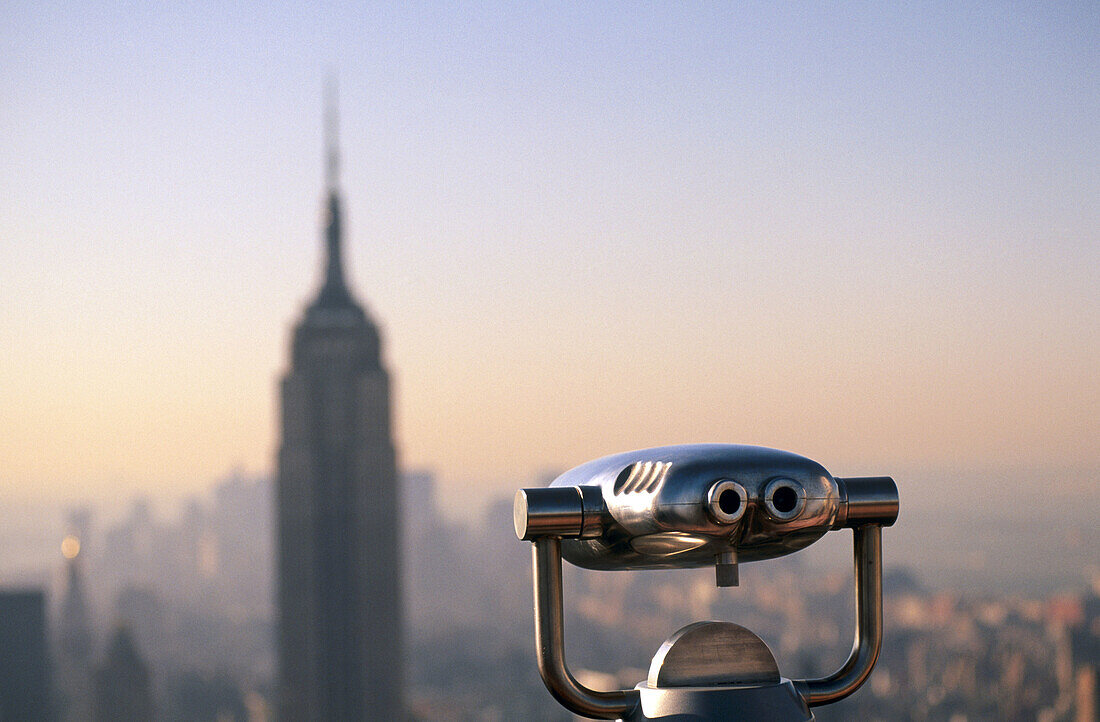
(867, 233)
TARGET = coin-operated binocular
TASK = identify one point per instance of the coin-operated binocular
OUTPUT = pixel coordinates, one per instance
(717, 505)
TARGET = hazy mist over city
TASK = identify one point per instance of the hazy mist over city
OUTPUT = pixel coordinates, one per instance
(865, 234)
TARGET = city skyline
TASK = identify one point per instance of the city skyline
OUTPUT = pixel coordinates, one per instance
(868, 237)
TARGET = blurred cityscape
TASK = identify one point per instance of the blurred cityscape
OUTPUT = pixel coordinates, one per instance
(175, 613)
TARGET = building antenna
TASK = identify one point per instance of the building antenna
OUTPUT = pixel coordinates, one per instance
(332, 132)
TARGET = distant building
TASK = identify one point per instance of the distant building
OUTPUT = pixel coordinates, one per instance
(24, 657)
(144, 614)
(73, 663)
(122, 690)
(74, 625)
(1085, 645)
(339, 593)
(1085, 695)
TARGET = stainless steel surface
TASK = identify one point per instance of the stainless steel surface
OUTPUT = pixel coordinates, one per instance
(868, 500)
(725, 569)
(868, 638)
(727, 501)
(658, 506)
(771, 703)
(784, 499)
(690, 506)
(548, 512)
(713, 654)
(567, 511)
(550, 643)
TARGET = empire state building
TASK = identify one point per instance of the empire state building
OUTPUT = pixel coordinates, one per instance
(339, 595)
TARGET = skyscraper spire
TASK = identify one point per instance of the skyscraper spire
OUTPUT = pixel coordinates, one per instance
(332, 134)
(334, 293)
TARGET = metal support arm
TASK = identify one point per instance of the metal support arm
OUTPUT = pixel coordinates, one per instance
(868, 639)
(550, 643)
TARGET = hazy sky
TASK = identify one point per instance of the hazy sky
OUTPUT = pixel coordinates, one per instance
(867, 233)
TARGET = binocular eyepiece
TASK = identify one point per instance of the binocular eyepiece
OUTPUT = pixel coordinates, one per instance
(677, 507)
